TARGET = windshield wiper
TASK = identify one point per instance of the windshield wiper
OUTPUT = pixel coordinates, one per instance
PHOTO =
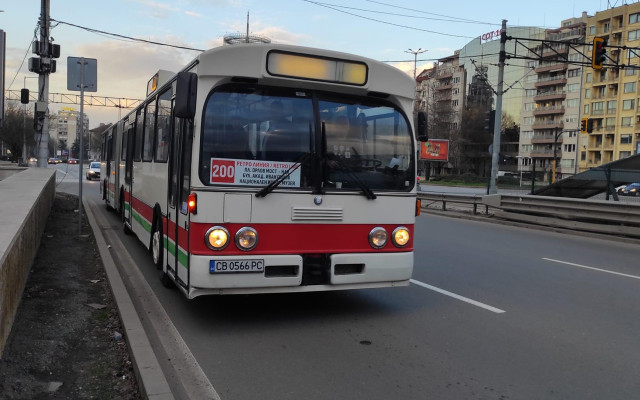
(276, 182)
(365, 189)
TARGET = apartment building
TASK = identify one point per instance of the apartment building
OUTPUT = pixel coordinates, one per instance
(550, 123)
(66, 124)
(441, 92)
(612, 94)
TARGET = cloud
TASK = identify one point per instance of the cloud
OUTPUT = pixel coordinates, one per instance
(193, 14)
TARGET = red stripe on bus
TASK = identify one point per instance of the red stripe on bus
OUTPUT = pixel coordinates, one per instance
(171, 233)
(143, 209)
(299, 239)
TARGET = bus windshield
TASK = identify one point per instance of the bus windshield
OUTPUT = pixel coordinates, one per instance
(251, 135)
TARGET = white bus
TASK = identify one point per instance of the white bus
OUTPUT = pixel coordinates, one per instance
(263, 168)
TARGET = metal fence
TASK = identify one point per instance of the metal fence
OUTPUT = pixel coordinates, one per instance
(592, 215)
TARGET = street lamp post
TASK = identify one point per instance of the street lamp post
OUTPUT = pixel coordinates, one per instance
(415, 59)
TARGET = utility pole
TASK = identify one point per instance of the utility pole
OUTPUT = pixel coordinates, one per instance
(415, 59)
(495, 155)
(43, 66)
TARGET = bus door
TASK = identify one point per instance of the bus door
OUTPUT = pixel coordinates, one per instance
(108, 186)
(179, 186)
(130, 137)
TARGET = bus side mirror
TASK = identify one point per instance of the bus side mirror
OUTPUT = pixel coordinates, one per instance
(186, 88)
(423, 130)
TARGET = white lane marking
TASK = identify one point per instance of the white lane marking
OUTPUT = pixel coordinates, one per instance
(457, 296)
(593, 268)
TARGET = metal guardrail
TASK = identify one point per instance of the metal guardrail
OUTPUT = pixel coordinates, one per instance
(470, 200)
(599, 216)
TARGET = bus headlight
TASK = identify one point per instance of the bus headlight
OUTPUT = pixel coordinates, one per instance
(216, 238)
(400, 236)
(246, 238)
(377, 237)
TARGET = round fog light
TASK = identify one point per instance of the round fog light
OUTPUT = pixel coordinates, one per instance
(400, 236)
(216, 238)
(246, 238)
(377, 237)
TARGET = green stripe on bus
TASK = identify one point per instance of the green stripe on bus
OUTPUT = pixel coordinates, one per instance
(142, 221)
(171, 248)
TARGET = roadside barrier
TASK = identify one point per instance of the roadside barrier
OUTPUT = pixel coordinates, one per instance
(598, 216)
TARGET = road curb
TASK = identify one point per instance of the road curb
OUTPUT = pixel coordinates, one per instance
(151, 379)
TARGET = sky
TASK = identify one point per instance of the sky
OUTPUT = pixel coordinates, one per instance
(385, 30)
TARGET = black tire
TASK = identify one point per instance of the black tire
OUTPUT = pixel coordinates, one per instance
(165, 279)
(157, 243)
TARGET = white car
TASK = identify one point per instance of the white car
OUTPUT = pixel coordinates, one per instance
(93, 172)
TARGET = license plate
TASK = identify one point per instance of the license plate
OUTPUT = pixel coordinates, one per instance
(217, 267)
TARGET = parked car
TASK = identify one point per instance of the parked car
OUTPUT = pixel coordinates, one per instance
(72, 161)
(632, 189)
(93, 172)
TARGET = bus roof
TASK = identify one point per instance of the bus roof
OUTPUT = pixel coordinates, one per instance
(250, 61)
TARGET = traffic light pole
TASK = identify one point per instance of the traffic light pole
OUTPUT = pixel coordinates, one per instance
(495, 154)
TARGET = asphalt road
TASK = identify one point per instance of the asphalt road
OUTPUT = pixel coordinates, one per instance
(494, 312)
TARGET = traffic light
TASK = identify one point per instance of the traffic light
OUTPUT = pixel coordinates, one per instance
(589, 125)
(599, 52)
(24, 96)
(489, 120)
(583, 125)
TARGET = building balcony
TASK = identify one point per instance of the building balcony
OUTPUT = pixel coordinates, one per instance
(551, 95)
(546, 139)
(555, 81)
(551, 67)
(555, 51)
(548, 110)
(547, 125)
(543, 153)
(444, 75)
(446, 86)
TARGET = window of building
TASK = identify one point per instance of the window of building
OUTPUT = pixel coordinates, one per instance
(528, 120)
(529, 106)
(573, 73)
(625, 139)
(583, 155)
(625, 154)
(626, 122)
(597, 106)
(630, 71)
(631, 54)
(628, 104)
(530, 92)
(634, 18)
(574, 87)
(612, 105)
(572, 103)
(586, 109)
(571, 118)
(587, 93)
(630, 87)
(610, 123)
(633, 35)
(592, 30)
(589, 77)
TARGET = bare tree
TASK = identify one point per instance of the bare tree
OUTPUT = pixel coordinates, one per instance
(16, 127)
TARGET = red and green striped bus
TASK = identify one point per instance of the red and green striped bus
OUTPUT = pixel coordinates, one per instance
(264, 168)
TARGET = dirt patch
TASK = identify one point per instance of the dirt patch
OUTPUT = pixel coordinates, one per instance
(66, 341)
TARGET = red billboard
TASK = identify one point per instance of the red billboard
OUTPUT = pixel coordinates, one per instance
(435, 150)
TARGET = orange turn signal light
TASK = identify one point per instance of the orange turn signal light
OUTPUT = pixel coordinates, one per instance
(192, 203)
